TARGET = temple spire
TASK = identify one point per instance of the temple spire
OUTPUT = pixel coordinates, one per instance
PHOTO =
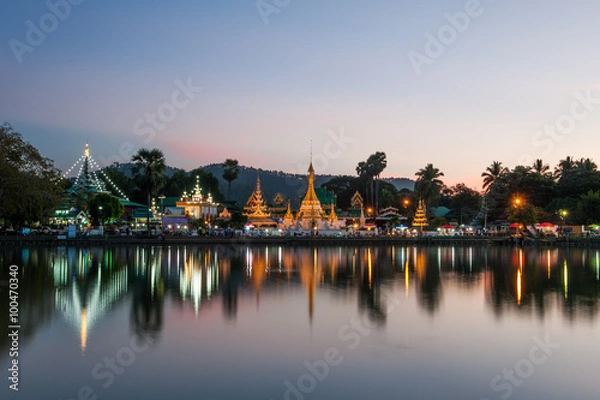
(310, 209)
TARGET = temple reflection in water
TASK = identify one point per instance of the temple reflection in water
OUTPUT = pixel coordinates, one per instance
(87, 283)
(204, 314)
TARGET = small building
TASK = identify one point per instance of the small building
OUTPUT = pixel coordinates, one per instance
(64, 215)
(197, 206)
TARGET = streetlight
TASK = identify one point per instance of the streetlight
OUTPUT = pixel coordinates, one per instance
(101, 217)
(405, 203)
(518, 202)
(563, 216)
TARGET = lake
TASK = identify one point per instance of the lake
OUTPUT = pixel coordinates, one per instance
(277, 322)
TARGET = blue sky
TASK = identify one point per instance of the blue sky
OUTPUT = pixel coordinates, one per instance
(317, 71)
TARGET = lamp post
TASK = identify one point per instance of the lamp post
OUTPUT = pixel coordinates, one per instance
(563, 216)
(101, 217)
(518, 202)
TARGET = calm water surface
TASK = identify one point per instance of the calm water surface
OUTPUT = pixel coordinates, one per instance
(257, 322)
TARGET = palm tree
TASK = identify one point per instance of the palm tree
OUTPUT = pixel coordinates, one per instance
(492, 174)
(231, 170)
(371, 170)
(151, 164)
(586, 164)
(428, 184)
(564, 167)
(540, 168)
(363, 170)
(378, 162)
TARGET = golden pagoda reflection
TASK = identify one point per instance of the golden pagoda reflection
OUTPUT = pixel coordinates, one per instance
(83, 330)
(333, 264)
(308, 276)
(259, 268)
(420, 264)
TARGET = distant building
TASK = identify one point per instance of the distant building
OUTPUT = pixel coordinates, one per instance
(69, 216)
(196, 205)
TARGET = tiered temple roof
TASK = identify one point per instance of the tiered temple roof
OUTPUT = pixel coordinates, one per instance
(357, 201)
(256, 206)
(256, 209)
(420, 216)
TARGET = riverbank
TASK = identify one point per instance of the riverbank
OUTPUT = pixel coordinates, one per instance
(6, 241)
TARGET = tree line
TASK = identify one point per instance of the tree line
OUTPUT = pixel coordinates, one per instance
(569, 193)
(31, 188)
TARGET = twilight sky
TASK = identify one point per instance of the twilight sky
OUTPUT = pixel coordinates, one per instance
(452, 82)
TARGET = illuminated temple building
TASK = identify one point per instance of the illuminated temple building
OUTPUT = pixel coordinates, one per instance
(196, 205)
(316, 212)
(257, 211)
(311, 214)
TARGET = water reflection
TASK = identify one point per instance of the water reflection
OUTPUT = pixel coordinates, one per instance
(81, 285)
(148, 293)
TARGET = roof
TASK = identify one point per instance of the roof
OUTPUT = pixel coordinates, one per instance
(440, 211)
(261, 222)
(127, 203)
(168, 201)
(324, 196)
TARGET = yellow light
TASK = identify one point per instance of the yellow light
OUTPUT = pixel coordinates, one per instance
(370, 265)
(406, 277)
(83, 331)
(519, 273)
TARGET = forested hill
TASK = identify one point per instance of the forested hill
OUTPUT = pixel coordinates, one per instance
(291, 186)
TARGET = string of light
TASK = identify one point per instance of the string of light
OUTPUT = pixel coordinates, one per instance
(91, 174)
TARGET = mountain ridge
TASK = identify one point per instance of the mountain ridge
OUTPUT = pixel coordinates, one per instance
(291, 185)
